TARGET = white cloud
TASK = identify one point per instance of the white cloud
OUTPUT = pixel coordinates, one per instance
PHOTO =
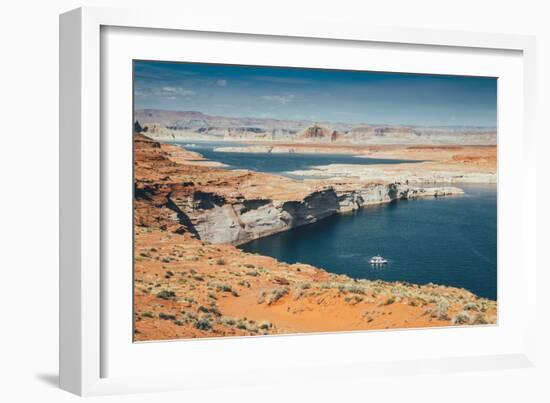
(165, 92)
(281, 99)
(282, 80)
(170, 90)
(221, 83)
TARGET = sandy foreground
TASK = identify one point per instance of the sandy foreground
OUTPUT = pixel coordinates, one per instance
(187, 288)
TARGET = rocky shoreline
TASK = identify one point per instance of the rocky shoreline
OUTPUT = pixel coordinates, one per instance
(242, 221)
(435, 164)
(418, 174)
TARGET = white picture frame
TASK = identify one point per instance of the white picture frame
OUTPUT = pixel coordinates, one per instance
(84, 302)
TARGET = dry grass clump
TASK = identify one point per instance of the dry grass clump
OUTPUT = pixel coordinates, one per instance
(354, 287)
(221, 287)
(479, 319)
(277, 294)
(470, 306)
(203, 324)
(261, 297)
(167, 316)
(354, 300)
(390, 300)
(166, 294)
(265, 325)
(442, 310)
(461, 319)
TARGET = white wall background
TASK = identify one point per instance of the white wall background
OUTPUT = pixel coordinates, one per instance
(29, 201)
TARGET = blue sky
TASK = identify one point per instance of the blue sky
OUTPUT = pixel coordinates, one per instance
(317, 95)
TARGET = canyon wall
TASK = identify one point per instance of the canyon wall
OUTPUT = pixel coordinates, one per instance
(217, 220)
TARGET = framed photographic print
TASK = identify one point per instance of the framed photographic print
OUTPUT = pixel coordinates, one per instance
(237, 195)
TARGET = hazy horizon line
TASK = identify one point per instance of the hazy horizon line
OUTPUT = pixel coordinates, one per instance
(315, 121)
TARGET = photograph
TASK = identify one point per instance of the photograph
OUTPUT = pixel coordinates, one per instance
(276, 200)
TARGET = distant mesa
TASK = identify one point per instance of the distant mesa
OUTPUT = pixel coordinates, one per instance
(317, 132)
(167, 124)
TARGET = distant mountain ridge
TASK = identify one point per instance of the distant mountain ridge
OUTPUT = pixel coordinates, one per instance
(197, 125)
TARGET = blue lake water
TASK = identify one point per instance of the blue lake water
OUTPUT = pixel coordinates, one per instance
(450, 240)
(279, 163)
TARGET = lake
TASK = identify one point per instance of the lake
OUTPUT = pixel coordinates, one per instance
(449, 241)
(279, 163)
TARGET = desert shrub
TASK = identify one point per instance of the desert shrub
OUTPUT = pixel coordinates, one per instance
(212, 295)
(264, 324)
(229, 321)
(305, 286)
(166, 260)
(221, 287)
(483, 305)
(189, 315)
(461, 319)
(277, 294)
(225, 288)
(166, 294)
(198, 278)
(389, 300)
(479, 319)
(203, 309)
(354, 299)
(355, 289)
(470, 306)
(203, 324)
(241, 325)
(215, 311)
(178, 323)
(148, 314)
(298, 293)
(249, 266)
(167, 316)
(221, 261)
(261, 297)
(442, 310)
